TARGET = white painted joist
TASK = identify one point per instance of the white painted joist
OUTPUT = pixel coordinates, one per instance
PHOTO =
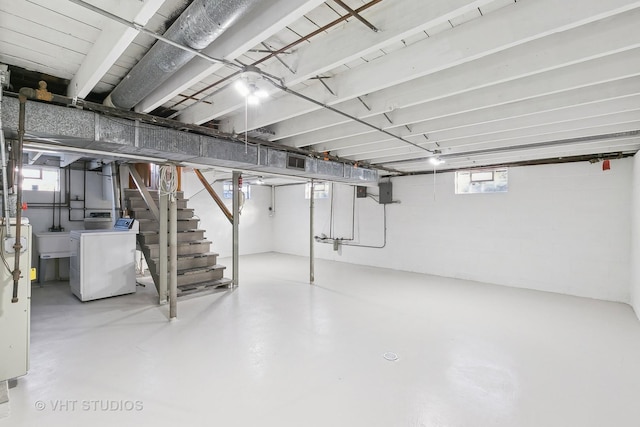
(112, 42)
(570, 147)
(508, 144)
(503, 29)
(595, 148)
(620, 66)
(555, 51)
(39, 16)
(600, 125)
(70, 10)
(612, 90)
(489, 112)
(455, 139)
(33, 45)
(588, 113)
(395, 19)
(257, 25)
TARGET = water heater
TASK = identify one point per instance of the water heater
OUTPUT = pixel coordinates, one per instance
(15, 316)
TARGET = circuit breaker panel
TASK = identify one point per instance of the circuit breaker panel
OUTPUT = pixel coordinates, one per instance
(386, 193)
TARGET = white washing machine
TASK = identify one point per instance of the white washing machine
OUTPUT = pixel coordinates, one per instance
(103, 262)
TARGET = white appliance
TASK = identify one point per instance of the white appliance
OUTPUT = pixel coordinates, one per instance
(103, 262)
(50, 245)
(15, 317)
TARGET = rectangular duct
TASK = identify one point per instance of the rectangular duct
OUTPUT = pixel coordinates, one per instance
(73, 127)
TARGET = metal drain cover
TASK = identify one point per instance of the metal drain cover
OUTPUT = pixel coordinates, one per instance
(392, 357)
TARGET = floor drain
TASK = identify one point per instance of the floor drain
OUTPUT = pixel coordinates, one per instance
(392, 357)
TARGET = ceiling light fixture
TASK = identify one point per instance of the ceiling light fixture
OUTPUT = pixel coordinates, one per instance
(247, 85)
(435, 161)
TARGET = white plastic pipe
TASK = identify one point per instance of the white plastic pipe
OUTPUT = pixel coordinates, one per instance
(311, 255)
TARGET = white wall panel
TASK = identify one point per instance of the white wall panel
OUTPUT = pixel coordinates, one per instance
(635, 236)
(255, 222)
(560, 228)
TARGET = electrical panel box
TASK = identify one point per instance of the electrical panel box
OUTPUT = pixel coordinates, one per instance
(386, 194)
(361, 192)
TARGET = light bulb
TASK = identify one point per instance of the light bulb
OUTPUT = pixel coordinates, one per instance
(252, 99)
(242, 87)
(435, 161)
(260, 93)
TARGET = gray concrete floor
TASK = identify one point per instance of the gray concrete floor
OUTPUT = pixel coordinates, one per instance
(278, 352)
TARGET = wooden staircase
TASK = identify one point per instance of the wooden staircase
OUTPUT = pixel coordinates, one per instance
(197, 266)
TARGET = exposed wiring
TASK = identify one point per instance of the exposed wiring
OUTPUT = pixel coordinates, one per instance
(168, 180)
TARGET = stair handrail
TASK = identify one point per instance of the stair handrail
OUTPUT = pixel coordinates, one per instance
(214, 195)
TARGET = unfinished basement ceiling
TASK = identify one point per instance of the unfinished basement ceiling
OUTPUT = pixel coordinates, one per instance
(475, 83)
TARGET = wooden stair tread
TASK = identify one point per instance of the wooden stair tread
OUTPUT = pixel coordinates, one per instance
(190, 242)
(178, 219)
(200, 255)
(196, 270)
(186, 291)
(208, 283)
(151, 232)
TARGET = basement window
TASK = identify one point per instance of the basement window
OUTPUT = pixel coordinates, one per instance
(482, 181)
(227, 190)
(40, 179)
(320, 190)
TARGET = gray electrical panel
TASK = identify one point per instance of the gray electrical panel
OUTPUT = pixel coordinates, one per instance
(386, 194)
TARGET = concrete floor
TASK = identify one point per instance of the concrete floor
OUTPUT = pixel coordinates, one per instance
(277, 352)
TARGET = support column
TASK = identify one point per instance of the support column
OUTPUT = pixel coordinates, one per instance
(311, 254)
(236, 225)
(163, 271)
(123, 170)
(173, 252)
(116, 208)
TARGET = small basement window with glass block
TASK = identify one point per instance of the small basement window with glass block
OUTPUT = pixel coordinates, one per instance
(320, 190)
(482, 181)
(227, 190)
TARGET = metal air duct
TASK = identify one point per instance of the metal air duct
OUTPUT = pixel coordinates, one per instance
(199, 25)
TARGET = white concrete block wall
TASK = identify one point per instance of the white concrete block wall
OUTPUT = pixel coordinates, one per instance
(255, 222)
(41, 218)
(560, 228)
(635, 236)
